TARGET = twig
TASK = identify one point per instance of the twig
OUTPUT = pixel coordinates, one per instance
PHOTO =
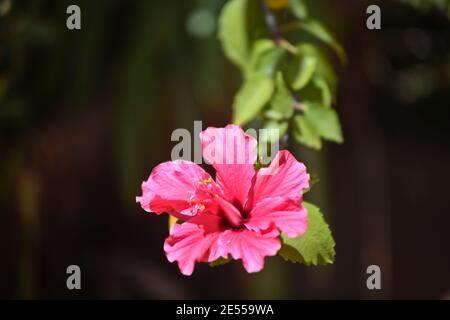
(298, 105)
(288, 46)
(271, 24)
(274, 31)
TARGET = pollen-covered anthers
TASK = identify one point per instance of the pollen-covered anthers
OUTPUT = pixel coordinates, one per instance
(205, 184)
(208, 186)
(205, 190)
(196, 205)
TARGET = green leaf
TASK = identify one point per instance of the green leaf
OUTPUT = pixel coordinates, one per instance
(273, 115)
(233, 32)
(322, 85)
(305, 132)
(301, 70)
(251, 98)
(219, 262)
(307, 66)
(325, 121)
(265, 58)
(318, 29)
(299, 8)
(316, 122)
(310, 93)
(315, 246)
(323, 69)
(281, 105)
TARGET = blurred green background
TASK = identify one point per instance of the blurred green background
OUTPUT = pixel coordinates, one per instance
(86, 114)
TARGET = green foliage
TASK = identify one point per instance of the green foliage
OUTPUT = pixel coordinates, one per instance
(233, 32)
(259, 81)
(301, 71)
(281, 103)
(305, 132)
(275, 71)
(315, 246)
(318, 29)
(316, 122)
(251, 98)
(325, 120)
(291, 88)
(265, 58)
(325, 90)
(324, 70)
(299, 8)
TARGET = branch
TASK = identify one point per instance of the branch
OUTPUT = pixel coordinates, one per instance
(271, 22)
(274, 31)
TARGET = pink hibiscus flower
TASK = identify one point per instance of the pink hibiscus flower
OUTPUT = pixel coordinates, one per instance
(239, 214)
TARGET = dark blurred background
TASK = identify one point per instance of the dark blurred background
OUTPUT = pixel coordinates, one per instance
(85, 115)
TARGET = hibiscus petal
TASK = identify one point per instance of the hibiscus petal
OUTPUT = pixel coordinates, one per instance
(288, 216)
(232, 153)
(189, 243)
(250, 246)
(211, 223)
(230, 212)
(285, 177)
(176, 187)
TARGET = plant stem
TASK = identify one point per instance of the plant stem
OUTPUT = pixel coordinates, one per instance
(274, 31)
(271, 22)
(272, 25)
